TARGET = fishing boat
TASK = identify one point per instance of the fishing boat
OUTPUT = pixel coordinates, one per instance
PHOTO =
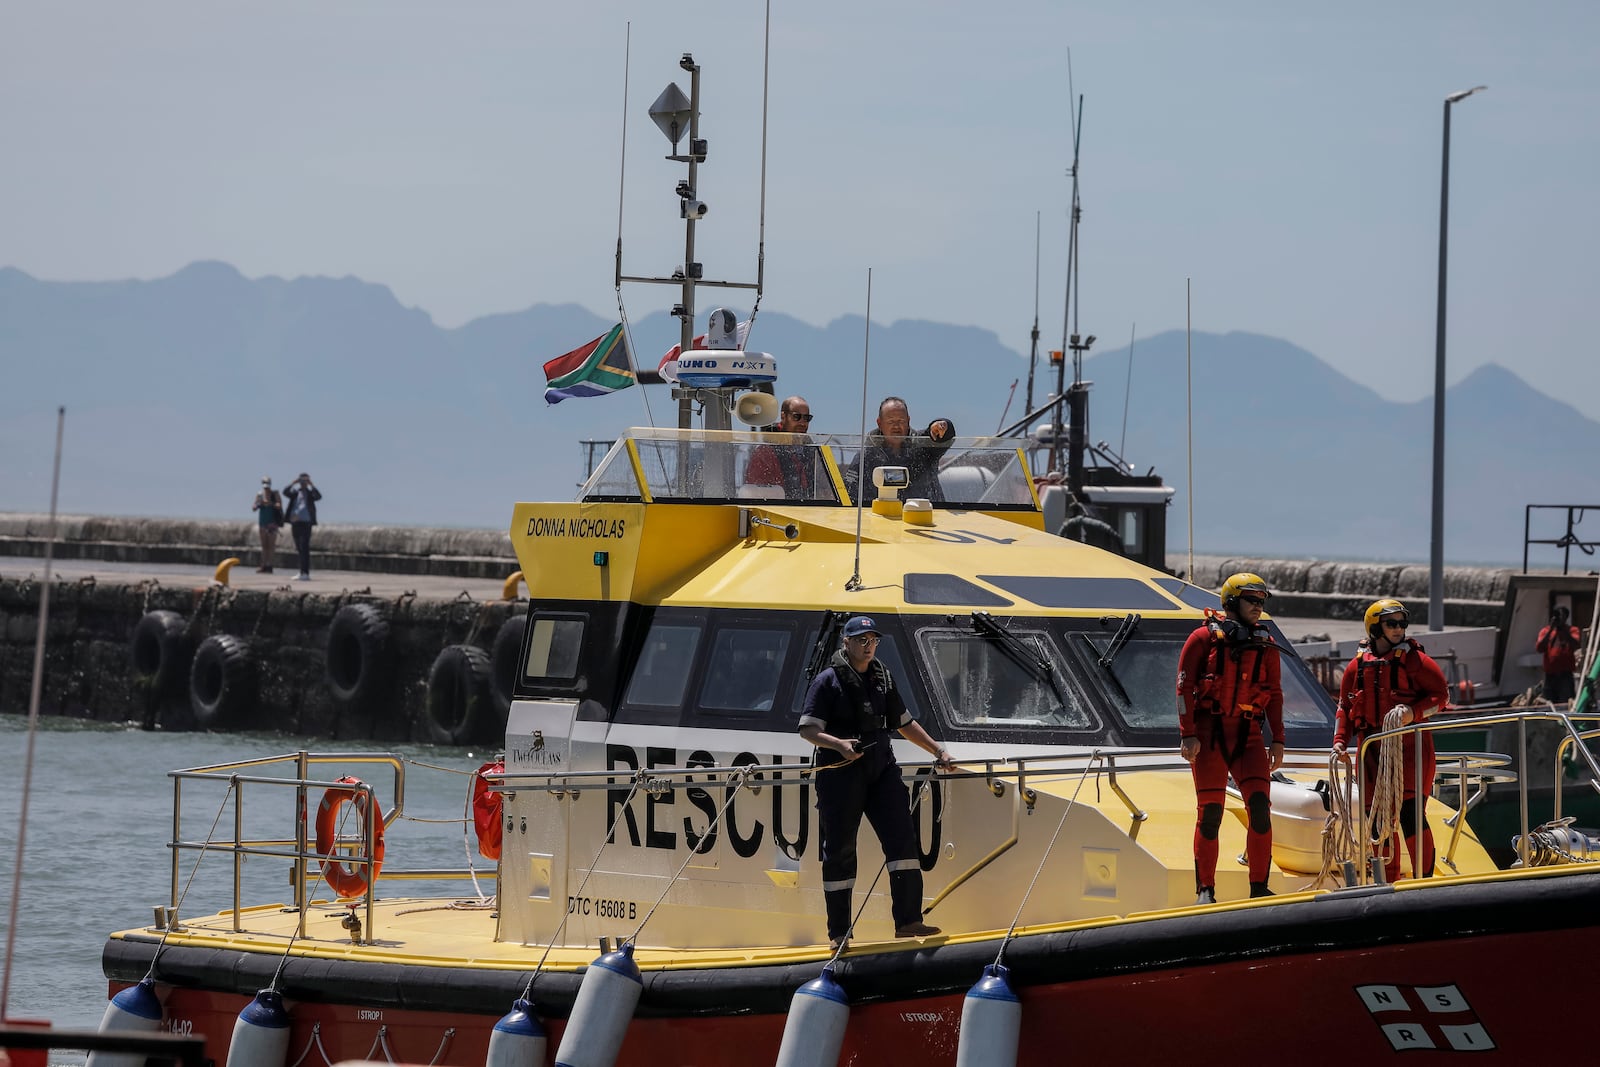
(657, 891)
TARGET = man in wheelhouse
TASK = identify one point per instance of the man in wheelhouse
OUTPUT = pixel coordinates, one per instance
(1228, 683)
(849, 710)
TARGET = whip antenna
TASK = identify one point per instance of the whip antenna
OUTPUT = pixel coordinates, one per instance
(33, 716)
(1127, 391)
(1188, 403)
(622, 171)
(854, 584)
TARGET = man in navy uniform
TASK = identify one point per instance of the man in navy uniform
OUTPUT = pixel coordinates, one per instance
(849, 710)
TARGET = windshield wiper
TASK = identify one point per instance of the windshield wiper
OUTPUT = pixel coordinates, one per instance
(1013, 646)
(1032, 660)
(1124, 632)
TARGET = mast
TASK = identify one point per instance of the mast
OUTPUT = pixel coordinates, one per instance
(675, 115)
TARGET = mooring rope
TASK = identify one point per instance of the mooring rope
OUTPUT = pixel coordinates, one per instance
(177, 909)
(638, 780)
(736, 781)
(1094, 761)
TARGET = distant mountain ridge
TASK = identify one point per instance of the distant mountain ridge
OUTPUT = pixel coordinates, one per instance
(183, 391)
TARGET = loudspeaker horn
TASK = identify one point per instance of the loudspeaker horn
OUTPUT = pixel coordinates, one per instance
(756, 409)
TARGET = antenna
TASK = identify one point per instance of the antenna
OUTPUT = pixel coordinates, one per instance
(1127, 391)
(854, 584)
(1188, 403)
(1069, 325)
(33, 716)
(622, 173)
(1033, 350)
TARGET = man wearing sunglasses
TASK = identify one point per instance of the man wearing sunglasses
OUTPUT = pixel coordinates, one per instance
(792, 461)
(850, 709)
(1392, 682)
(1228, 682)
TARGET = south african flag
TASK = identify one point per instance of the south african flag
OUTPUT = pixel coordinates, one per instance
(599, 367)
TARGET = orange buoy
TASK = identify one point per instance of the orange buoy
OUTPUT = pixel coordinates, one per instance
(349, 880)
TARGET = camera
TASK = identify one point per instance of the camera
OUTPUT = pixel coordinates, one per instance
(692, 209)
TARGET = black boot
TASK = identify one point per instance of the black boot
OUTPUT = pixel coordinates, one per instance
(1207, 895)
(837, 902)
(1259, 889)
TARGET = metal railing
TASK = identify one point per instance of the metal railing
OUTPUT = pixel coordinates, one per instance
(357, 852)
(1492, 761)
(1566, 542)
(1471, 773)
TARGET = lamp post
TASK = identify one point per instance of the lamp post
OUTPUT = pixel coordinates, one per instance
(1436, 544)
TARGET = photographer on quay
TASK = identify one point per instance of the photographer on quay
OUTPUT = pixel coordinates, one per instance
(1559, 643)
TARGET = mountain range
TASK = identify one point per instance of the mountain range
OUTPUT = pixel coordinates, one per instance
(182, 392)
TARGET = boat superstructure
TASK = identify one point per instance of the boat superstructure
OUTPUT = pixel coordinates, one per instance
(655, 794)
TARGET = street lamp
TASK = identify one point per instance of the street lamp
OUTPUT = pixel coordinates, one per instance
(1436, 546)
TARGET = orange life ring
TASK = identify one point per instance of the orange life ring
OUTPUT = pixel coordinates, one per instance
(486, 808)
(351, 880)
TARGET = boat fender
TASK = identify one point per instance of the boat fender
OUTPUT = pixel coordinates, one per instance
(221, 682)
(814, 1031)
(505, 657)
(136, 1009)
(347, 881)
(601, 1012)
(518, 1039)
(459, 708)
(160, 650)
(358, 638)
(991, 1022)
(486, 807)
(261, 1033)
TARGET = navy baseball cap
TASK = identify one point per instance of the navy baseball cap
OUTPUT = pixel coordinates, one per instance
(861, 624)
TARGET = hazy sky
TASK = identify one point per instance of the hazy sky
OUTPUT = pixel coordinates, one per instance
(1284, 157)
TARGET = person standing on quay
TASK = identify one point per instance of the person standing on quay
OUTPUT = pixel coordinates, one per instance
(1228, 682)
(301, 511)
(849, 710)
(269, 519)
(1559, 643)
(1391, 673)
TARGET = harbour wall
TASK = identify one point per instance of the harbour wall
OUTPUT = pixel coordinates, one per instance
(1327, 589)
(424, 659)
(340, 665)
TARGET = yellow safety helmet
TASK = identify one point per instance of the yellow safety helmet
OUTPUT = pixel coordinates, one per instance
(1239, 583)
(1376, 613)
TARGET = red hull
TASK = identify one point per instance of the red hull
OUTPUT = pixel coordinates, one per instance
(1477, 993)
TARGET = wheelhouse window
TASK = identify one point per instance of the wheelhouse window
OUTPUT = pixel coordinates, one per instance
(554, 645)
(661, 675)
(744, 671)
(1017, 680)
(1139, 682)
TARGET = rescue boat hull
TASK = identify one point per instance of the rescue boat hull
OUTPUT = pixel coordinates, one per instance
(1379, 969)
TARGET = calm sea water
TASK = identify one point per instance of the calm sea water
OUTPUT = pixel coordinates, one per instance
(99, 819)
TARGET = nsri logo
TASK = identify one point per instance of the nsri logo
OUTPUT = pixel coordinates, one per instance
(1425, 1016)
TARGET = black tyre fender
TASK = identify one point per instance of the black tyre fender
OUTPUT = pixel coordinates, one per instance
(358, 644)
(505, 656)
(459, 706)
(160, 650)
(222, 682)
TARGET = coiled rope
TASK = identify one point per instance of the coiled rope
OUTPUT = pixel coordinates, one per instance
(1388, 791)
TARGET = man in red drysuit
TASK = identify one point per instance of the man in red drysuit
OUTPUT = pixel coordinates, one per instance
(1228, 682)
(1390, 672)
